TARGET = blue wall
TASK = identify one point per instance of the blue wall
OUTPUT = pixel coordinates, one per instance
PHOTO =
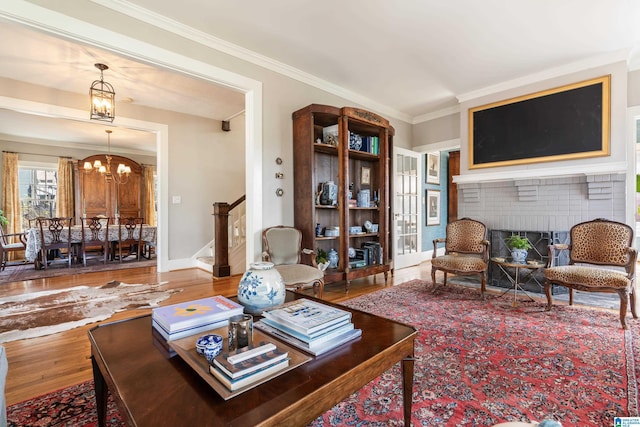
(434, 231)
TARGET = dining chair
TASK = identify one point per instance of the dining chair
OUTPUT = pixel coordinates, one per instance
(129, 237)
(466, 251)
(283, 247)
(55, 238)
(13, 242)
(95, 236)
(149, 245)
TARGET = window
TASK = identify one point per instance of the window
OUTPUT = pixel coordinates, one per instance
(38, 186)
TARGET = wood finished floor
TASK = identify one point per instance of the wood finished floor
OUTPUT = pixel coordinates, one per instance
(41, 365)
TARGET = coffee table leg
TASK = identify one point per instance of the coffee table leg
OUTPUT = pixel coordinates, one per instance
(407, 388)
(100, 388)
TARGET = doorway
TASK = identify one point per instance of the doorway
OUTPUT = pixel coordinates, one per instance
(59, 25)
(407, 208)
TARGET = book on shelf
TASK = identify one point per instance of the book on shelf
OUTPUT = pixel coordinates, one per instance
(243, 381)
(190, 314)
(317, 348)
(306, 316)
(317, 337)
(187, 332)
(251, 365)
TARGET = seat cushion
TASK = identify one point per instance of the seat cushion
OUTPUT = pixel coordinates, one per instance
(16, 246)
(299, 274)
(459, 263)
(587, 276)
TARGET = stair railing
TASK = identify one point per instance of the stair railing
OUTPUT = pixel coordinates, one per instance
(221, 210)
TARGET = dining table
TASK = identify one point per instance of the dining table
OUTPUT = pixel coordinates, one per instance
(34, 240)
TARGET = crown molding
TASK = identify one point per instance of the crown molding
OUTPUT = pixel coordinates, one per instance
(448, 145)
(574, 67)
(450, 111)
(205, 39)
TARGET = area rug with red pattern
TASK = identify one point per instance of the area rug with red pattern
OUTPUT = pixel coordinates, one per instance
(478, 363)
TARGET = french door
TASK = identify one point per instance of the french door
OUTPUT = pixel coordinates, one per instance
(407, 208)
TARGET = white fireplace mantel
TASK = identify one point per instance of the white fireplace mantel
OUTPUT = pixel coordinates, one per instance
(545, 173)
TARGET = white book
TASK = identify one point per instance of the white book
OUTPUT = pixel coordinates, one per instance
(248, 366)
(316, 350)
(306, 316)
(316, 340)
(187, 332)
(190, 314)
(235, 384)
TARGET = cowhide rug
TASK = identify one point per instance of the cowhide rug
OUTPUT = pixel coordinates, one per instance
(47, 312)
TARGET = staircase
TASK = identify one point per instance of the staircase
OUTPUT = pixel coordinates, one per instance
(229, 240)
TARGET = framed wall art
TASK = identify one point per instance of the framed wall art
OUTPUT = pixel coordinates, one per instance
(433, 207)
(567, 122)
(433, 168)
(365, 176)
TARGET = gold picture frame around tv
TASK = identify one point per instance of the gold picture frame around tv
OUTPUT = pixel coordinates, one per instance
(566, 122)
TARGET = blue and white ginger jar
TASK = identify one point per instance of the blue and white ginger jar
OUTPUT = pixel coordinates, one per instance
(261, 287)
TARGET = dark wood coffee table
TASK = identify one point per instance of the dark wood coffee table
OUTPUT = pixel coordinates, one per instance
(151, 390)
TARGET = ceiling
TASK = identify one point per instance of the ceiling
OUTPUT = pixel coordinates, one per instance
(408, 58)
(45, 60)
(413, 56)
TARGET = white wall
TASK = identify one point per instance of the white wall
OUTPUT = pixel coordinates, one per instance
(280, 96)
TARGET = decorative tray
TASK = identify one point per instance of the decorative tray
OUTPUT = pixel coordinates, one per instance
(186, 349)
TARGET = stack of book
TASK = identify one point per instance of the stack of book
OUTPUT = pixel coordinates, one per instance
(248, 365)
(192, 317)
(311, 326)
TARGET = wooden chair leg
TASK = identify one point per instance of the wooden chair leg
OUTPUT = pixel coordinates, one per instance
(624, 302)
(318, 288)
(44, 259)
(547, 291)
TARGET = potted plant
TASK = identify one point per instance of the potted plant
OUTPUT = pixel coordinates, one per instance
(322, 259)
(519, 247)
(3, 219)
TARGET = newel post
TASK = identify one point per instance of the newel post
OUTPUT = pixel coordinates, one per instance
(221, 267)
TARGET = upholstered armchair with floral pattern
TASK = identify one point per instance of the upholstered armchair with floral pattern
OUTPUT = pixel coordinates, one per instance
(466, 251)
(601, 259)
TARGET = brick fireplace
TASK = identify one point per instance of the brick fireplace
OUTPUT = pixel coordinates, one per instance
(543, 209)
(530, 280)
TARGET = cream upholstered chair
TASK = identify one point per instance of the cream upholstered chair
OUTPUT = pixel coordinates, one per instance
(283, 247)
(466, 251)
(596, 249)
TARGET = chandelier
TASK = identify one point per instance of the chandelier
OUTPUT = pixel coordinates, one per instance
(122, 172)
(102, 98)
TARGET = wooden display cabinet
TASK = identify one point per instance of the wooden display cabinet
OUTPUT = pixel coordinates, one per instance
(360, 166)
(96, 196)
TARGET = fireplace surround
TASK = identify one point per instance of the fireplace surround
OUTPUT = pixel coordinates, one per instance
(531, 280)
